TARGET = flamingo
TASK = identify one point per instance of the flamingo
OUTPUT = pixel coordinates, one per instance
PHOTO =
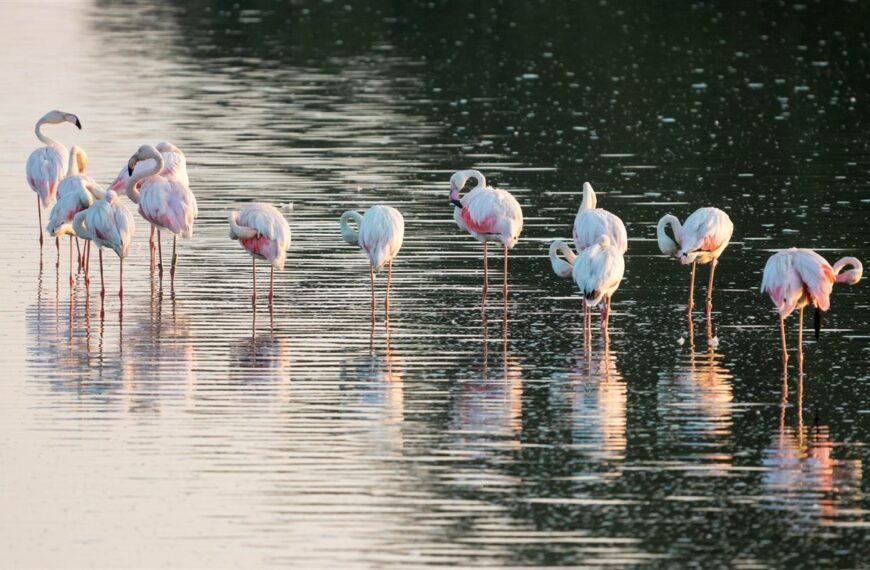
(46, 165)
(597, 271)
(76, 192)
(795, 278)
(174, 166)
(165, 201)
(265, 234)
(590, 224)
(702, 239)
(488, 214)
(379, 233)
(108, 223)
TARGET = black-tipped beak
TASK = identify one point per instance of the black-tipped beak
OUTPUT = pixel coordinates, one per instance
(129, 170)
(78, 123)
(456, 203)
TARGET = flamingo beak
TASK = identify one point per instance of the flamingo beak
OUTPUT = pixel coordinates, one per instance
(78, 123)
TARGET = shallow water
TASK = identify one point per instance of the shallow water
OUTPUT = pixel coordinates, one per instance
(184, 433)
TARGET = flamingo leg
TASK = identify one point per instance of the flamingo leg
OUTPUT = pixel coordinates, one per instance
(152, 248)
(72, 281)
(102, 278)
(121, 284)
(800, 340)
(784, 349)
(39, 211)
(79, 256)
(389, 280)
(160, 254)
(254, 274)
(271, 285)
(713, 265)
(692, 291)
(505, 277)
(485, 273)
(57, 247)
(372, 279)
(174, 261)
(88, 265)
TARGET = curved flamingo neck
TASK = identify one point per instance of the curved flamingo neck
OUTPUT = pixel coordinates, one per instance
(589, 201)
(852, 276)
(42, 137)
(349, 234)
(666, 244)
(131, 187)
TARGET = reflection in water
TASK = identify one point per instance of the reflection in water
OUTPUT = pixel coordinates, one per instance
(802, 474)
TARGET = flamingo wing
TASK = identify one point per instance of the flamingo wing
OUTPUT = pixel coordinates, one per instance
(493, 212)
(381, 234)
(782, 282)
(45, 167)
(817, 276)
(707, 229)
(590, 225)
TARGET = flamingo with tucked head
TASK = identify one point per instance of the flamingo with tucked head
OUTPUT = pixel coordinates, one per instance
(379, 233)
(597, 271)
(265, 234)
(108, 223)
(76, 192)
(794, 278)
(702, 239)
(590, 224)
(174, 166)
(46, 165)
(488, 214)
(165, 201)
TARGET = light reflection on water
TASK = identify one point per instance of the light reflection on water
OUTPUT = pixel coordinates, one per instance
(312, 436)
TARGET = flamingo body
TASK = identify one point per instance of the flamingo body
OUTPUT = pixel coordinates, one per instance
(598, 271)
(45, 169)
(174, 166)
(591, 223)
(381, 232)
(75, 193)
(168, 204)
(489, 214)
(108, 223)
(263, 232)
(702, 238)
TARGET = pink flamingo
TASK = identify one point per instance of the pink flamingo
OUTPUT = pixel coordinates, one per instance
(590, 224)
(76, 192)
(488, 214)
(46, 165)
(597, 271)
(265, 234)
(795, 278)
(702, 239)
(174, 166)
(379, 233)
(108, 223)
(165, 201)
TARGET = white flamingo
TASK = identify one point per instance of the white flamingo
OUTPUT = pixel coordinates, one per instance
(164, 201)
(590, 224)
(174, 166)
(379, 233)
(108, 223)
(47, 165)
(597, 271)
(702, 239)
(488, 214)
(76, 192)
(265, 234)
(794, 278)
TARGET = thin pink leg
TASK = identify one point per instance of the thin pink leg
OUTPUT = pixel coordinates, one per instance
(152, 247)
(39, 211)
(692, 291)
(160, 253)
(389, 280)
(72, 280)
(254, 273)
(505, 292)
(102, 277)
(372, 279)
(485, 274)
(271, 284)
(174, 261)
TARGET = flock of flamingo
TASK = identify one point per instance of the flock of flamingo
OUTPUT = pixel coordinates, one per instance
(155, 178)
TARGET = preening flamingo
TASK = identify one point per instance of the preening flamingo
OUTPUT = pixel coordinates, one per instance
(47, 165)
(702, 239)
(174, 166)
(165, 201)
(76, 192)
(795, 278)
(108, 223)
(265, 234)
(590, 224)
(488, 214)
(379, 233)
(597, 271)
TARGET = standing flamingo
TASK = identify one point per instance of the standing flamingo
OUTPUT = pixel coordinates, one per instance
(76, 192)
(597, 271)
(46, 165)
(108, 223)
(164, 201)
(590, 224)
(488, 214)
(795, 278)
(174, 166)
(379, 233)
(265, 234)
(702, 239)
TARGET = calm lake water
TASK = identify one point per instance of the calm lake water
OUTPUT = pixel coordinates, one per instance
(186, 435)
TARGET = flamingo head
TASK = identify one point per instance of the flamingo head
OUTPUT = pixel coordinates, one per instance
(457, 181)
(144, 153)
(80, 156)
(55, 117)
